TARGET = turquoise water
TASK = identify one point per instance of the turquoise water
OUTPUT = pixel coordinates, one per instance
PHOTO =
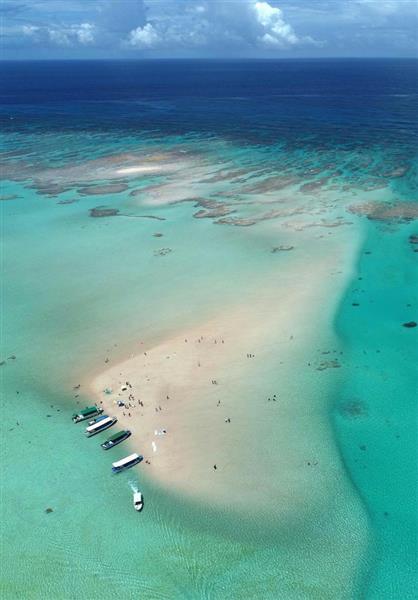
(77, 308)
(79, 290)
(378, 440)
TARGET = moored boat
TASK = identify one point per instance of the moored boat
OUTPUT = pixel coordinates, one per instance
(138, 501)
(127, 462)
(97, 419)
(87, 413)
(116, 439)
(100, 426)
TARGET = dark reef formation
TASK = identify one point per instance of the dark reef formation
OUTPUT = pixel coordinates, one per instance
(103, 211)
(70, 201)
(353, 409)
(7, 197)
(98, 190)
(281, 249)
(162, 251)
(387, 212)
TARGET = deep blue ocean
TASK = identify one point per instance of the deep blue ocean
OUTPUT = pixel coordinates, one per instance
(339, 102)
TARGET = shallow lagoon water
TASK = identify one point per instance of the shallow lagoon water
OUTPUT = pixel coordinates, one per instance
(377, 441)
(76, 286)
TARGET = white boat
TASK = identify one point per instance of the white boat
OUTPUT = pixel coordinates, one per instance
(97, 419)
(126, 463)
(138, 501)
(100, 426)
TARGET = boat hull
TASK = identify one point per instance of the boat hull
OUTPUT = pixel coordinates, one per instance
(92, 433)
(132, 464)
(98, 419)
(80, 418)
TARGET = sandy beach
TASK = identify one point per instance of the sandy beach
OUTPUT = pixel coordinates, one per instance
(206, 388)
(212, 428)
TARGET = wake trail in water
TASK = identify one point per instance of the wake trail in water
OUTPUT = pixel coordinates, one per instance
(133, 485)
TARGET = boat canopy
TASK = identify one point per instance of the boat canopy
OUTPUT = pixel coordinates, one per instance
(117, 435)
(88, 410)
(99, 424)
(125, 461)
